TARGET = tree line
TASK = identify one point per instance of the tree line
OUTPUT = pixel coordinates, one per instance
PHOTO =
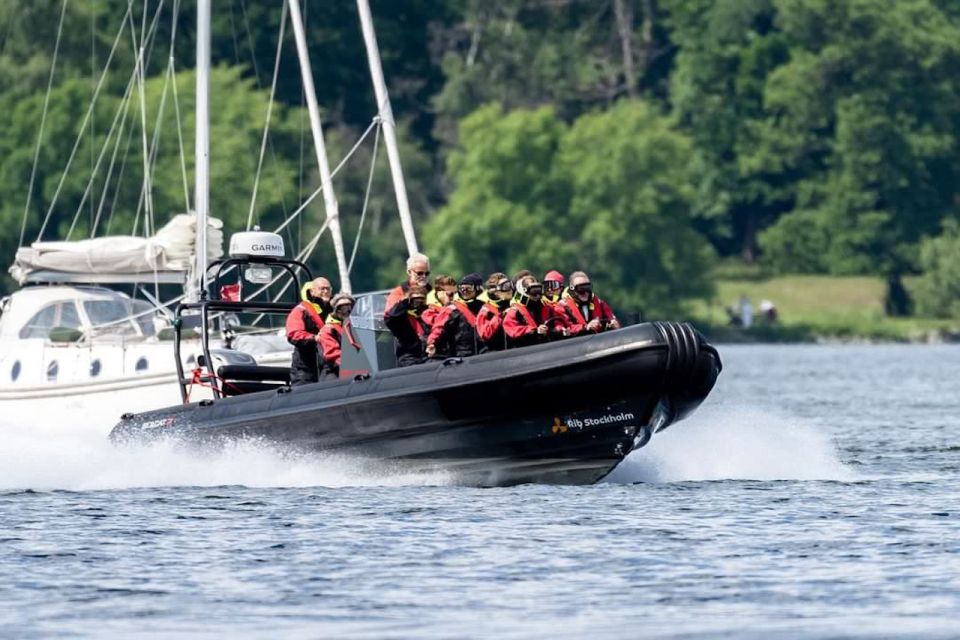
(641, 140)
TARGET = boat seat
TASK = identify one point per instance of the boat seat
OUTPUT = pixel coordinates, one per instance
(238, 379)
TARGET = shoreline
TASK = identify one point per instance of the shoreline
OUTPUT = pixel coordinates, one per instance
(804, 334)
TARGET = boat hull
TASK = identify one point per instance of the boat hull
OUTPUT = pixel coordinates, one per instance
(566, 412)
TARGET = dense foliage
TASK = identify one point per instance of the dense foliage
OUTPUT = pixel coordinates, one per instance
(634, 138)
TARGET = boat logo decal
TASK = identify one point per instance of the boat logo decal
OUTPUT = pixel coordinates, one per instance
(609, 418)
(558, 426)
(157, 424)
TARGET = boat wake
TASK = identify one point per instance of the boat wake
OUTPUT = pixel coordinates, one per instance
(47, 458)
(720, 443)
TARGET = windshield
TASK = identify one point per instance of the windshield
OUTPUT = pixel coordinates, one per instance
(111, 317)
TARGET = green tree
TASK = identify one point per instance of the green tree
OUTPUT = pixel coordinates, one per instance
(865, 112)
(611, 195)
(938, 289)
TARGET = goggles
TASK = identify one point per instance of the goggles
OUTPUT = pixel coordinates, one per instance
(584, 288)
(503, 285)
(467, 289)
(552, 285)
(535, 290)
(418, 300)
(345, 307)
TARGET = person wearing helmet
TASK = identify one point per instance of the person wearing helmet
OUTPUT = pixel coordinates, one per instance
(405, 321)
(418, 273)
(584, 311)
(303, 330)
(490, 316)
(454, 331)
(552, 288)
(529, 320)
(331, 335)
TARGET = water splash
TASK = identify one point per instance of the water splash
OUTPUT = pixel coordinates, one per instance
(735, 444)
(47, 457)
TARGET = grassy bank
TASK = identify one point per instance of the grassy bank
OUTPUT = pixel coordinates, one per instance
(812, 308)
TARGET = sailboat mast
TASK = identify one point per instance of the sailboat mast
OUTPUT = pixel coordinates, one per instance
(202, 143)
(326, 180)
(385, 112)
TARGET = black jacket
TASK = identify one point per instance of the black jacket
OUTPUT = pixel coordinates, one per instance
(409, 332)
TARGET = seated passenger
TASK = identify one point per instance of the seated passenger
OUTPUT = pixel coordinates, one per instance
(585, 312)
(405, 321)
(529, 320)
(444, 288)
(552, 287)
(331, 336)
(418, 272)
(490, 317)
(303, 330)
(454, 331)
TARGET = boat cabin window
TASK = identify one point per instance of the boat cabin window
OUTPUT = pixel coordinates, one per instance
(40, 324)
(111, 317)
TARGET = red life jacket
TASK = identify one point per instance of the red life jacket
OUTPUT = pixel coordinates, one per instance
(465, 310)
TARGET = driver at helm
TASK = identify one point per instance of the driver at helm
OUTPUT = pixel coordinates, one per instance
(303, 330)
(530, 320)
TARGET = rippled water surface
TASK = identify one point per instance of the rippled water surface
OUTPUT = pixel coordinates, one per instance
(814, 495)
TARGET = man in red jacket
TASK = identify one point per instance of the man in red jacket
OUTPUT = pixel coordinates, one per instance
(530, 320)
(303, 330)
(490, 316)
(418, 273)
(331, 336)
(584, 310)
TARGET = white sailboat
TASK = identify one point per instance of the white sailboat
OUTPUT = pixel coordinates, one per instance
(73, 349)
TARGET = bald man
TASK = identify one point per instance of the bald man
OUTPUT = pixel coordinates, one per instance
(303, 330)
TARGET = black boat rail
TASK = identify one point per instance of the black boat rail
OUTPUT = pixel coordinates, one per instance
(213, 302)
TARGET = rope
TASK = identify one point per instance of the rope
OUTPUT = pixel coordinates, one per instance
(366, 196)
(147, 188)
(43, 121)
(333, 173)
(266, 126)
(124, 106)
(83, 128)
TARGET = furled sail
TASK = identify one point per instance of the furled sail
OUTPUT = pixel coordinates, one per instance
(168, 255)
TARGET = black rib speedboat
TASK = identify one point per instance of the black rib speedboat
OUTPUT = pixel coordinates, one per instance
(565, 412)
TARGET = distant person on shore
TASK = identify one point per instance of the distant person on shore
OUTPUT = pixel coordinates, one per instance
(584, 310)
(331, 336)
(768, 311)
(303, 326)
(490, 317)
(746, 312)
(418, 273)
(405, 321)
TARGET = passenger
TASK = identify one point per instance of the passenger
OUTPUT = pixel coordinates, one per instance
(405, 321)
(303, 330)
(529, 320)
(418, 272)
(585, 312)
(490, 317)
(553, 287)
(454, 331)
(518, 276)
(444, 288)
(331, 336)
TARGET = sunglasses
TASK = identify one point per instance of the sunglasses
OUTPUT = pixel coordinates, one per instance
(420, 274)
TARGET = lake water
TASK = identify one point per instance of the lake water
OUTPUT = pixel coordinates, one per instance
(815, 494)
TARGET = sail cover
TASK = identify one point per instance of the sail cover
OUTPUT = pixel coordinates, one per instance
(119, 258)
